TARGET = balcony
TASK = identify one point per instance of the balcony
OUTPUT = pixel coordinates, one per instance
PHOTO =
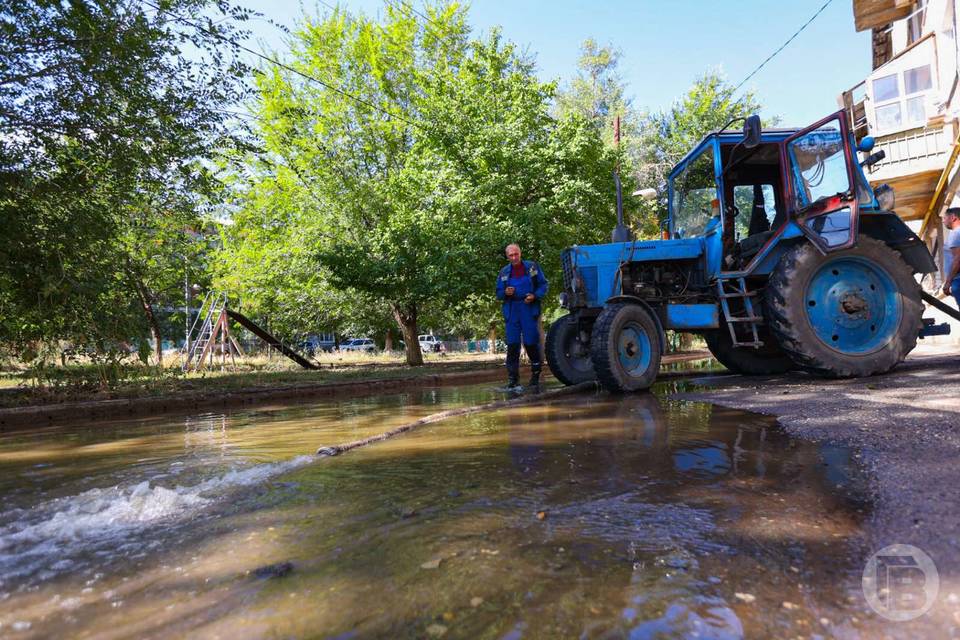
(915, 156)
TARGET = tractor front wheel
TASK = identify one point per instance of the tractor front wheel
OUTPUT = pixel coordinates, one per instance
(854, 312)
(625, 348)
(567, 354)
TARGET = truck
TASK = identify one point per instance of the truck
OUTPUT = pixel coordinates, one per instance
(775, 249)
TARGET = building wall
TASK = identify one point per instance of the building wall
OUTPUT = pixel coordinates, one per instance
(917, 148)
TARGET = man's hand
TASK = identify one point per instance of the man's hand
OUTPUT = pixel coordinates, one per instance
(529, 298)
(946, 288)
(509, 290)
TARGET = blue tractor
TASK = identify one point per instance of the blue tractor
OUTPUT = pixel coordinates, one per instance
(775, 249)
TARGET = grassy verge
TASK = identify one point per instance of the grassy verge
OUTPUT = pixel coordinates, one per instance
(21, 386)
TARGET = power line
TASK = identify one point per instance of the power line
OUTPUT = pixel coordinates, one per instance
(783, 46)
(293, 70)
(407, 5)
(402, 4)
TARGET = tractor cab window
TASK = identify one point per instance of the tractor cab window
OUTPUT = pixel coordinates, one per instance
(819, 165)
(694, 191)
(757, 206)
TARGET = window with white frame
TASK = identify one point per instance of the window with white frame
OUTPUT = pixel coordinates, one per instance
(915, 22)
(900, 99)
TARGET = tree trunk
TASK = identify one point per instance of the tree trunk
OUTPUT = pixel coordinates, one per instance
(388, 341)
(406, 316)
(146, 301)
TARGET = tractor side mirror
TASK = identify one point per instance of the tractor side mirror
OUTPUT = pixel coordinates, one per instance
(751, 131)
(873, 158)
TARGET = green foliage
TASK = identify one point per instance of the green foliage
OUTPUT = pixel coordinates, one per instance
(598, 94)
(103, 116)
(406, 196)
(669, 135)
(99, 371)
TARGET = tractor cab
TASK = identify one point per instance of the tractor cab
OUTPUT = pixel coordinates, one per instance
(738, 198)
(777, 252)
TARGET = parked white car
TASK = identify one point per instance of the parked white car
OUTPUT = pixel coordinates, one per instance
(430, 344)
(359, 344)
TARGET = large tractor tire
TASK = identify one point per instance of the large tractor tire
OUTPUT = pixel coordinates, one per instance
(851, 313)
(625, 348)
(767, 360)
(567, 355)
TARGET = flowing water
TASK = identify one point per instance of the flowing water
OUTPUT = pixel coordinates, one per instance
(588, 516)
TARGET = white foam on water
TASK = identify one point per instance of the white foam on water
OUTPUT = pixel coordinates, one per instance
(43, 539)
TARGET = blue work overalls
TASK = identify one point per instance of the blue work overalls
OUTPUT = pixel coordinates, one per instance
(521, 318)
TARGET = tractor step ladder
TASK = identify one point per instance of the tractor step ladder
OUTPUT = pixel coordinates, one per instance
(736, 289)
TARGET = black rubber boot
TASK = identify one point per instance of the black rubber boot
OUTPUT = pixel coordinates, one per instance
(534, 380)
(533, 352)
(513, 365)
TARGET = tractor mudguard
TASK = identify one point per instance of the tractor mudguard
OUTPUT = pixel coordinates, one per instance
(643, 303)
(887, 227)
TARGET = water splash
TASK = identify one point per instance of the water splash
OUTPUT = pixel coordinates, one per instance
(45, 540)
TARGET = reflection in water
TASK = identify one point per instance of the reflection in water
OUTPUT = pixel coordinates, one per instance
(591, 516)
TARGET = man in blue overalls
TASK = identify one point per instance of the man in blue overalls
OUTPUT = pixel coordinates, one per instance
(521, 285)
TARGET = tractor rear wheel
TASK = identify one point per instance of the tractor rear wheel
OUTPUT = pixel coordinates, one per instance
(625, 348)
(567, 355)
(769, 359)
(854, 312)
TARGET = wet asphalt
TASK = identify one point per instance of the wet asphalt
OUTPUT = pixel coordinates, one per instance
(904, 429)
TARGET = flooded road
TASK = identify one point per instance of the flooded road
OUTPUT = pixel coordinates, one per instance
(590, 516)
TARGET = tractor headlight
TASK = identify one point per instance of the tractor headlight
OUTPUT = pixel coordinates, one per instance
(564, 299)
(885, 197)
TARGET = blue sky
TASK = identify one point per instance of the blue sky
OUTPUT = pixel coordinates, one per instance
(666, 44)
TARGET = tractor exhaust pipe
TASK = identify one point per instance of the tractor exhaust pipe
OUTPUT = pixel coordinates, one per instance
(620, 232)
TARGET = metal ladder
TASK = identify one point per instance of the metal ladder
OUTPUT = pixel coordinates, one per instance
(736, 289)
(202, 331)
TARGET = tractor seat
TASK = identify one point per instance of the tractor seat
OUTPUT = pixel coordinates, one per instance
(750, 245)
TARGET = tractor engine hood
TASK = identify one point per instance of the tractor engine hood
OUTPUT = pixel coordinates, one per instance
(591, 272)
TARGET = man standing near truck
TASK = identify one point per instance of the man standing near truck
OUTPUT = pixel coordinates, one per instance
(520, 286)
(951, 254)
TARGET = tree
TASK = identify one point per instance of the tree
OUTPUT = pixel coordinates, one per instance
(668, 135)
(162, 240)
(268, 260)
(598, 94)
(419, 156)
(105, 108)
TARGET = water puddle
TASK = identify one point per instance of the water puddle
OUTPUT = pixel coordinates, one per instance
(590, 516)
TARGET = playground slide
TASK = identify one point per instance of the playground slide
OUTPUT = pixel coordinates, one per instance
(258, 331)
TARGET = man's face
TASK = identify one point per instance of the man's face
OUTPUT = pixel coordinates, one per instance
(951, 221)
(513, 254)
